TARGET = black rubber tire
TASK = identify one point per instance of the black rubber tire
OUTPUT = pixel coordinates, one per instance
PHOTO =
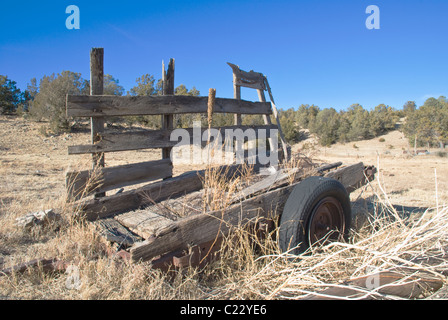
(298, 211)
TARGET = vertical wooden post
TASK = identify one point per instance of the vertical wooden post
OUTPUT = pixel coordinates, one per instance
(238, 119)
(267, 120)
(237, 96)
(168, 89)
(96, 88)
(286, 148)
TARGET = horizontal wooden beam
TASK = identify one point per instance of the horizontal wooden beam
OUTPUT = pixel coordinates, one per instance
(112, 142)
(83, 183)
(99, 106)
(352, 177)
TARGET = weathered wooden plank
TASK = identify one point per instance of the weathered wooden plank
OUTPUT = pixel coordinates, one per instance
(270, 182)
(249, 79)
(351, 176)
(143, 222)
(154, 139)
(133, 199)
(285, 146)
(110, 178)
(113, 231)
(267, 120)
(100, 106)
(237, 95)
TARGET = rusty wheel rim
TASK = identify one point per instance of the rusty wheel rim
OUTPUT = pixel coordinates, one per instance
(327, 221)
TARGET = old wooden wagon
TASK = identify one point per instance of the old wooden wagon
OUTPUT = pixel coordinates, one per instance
(170, 221)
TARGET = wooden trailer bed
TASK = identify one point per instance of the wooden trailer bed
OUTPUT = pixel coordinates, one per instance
(167, 230)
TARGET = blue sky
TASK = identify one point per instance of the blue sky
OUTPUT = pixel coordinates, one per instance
(313, 52)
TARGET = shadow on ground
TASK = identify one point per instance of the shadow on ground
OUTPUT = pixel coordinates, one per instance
(370, 207)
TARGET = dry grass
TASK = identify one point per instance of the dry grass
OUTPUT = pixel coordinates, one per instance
(248, 267)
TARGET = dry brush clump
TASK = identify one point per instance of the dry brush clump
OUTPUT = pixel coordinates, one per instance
(387, 242)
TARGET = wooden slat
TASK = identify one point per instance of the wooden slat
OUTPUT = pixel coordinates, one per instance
(143, 222)
(154, 192)
(113, 231)
(285, 146)
(249, 79)
(99, 106)
(168, 89)
(111, 142)
(267, 120)
(270, 182)
(116, 177)
(351, 176)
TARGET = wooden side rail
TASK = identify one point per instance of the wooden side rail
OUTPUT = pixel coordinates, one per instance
(100, 106)
(84, 183)
(154, 139)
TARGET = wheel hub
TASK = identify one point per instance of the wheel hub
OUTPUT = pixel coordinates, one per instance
(327, 221)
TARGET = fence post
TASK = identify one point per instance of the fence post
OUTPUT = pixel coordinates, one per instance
(96, 88)
(168, 89)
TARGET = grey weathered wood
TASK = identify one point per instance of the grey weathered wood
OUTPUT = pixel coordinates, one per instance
(259, 81)
(249, 79)
(133, 199)
(351, 176)
(143, 222)
(238, 120)
(113, 231)
(285, 146)
(110, 178)
(267, 120)
(168, 89)
(201, 228)
(100, 106)
(328, 167)
(237, 96)
(270, 182)
(153, 139)
(157, 191)
(148, 221)
(96, 88)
